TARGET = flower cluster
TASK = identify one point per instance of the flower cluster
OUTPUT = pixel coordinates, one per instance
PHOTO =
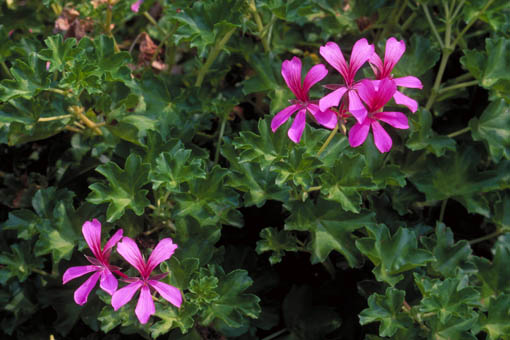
(104, 272)
(361, 99)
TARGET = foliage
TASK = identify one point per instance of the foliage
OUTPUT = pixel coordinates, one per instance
(161, 122)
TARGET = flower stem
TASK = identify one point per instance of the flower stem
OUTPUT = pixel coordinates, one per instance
(443, 208)
(408, 22)
(460, 132)
(432, 26)
(212, 56)
(6, 69)
(276, 334)
(220, 137)
(41, 272)
(486, 237)
(330, 137)
(439, 76)
(471, 22)
(49, 119)
(459, 86)
(260, 26)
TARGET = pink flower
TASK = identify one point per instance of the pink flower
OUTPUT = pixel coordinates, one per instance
(135, 7)
(376, 98)
(291, 72)
(99, 265)
(361, 52)
(128, 249)
(392, 54)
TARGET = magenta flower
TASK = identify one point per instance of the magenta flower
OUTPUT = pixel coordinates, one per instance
(361, 52)
(128, 249)
(135, 7)
(376, 98)
(99, 265)
(291, 72)
(392, 54)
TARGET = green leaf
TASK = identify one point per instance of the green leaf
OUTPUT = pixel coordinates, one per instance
(124, 190)
(423, 137)
(501, 215)
(298, 168)
(61, 229)
(493, 128)
(392, 254)
(25, 222)
(386, 309)
(420, 56)
(180, 271)
(456, 176)
(172, 318)
(455, 328)
(19, 262)
(450, 256)
(232, 304)
(344, 181)
(495, 324)
(174, 168)
(206, 22)
(330, 228)
(209, 201)
(495, 274)
(196, 241)
(59, 53)
(448, 298)
(491, 68)
(203, 289)
(265, 148)
(29, 79)
(277, 242)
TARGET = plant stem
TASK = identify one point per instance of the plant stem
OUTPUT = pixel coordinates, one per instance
(49, 119)
(486, 237)
(276, 334)
(260, 26)
(432, 26)
(439, 76)
(443, 208)
(155, 23)
(459, 86)
(329, 267)
(457, 133)
(318, 187)
(220, 137)
(41, 272)
(471, 22)
(330, 137)
(408, 22)
(6, 69)
(212, 56)
(58, 91)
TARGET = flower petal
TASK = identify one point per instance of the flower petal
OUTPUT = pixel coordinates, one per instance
(113, 241)
(145, 306)
(282, 116)
(381, 138)
(125, 294)
(316, 74)
(361, 52)
(396, 119)
(394, 51)
(333, 55)
(170, 293)
(136, 6)
(82, 293)
(291, 73)
(377, 65)
(356, 107)
(297, 127)
(367, 90)
(385, 91)
(74, 272)
(402, 99)
(129, 250)
(108, 282)
(162, 252)
(91, 231)
(409, 81)
(326, 118)
(332, 99)
(358, 133)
